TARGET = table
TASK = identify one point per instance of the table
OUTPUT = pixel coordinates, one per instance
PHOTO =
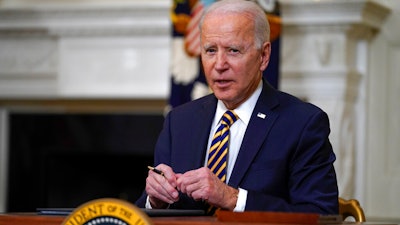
(35, 219)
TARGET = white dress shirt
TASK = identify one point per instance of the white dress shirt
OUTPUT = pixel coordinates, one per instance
(236, 134)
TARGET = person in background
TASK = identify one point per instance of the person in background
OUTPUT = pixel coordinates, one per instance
(269, 152)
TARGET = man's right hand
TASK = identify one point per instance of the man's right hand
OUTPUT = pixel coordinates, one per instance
(161, 189)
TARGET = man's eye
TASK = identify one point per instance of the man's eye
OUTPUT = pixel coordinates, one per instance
(232, 50)
(210, 50)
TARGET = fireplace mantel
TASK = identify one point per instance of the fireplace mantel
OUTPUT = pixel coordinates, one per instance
(85, 51)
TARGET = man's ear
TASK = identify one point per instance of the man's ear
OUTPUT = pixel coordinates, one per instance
(265, 55)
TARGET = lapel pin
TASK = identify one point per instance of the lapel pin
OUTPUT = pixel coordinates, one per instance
(261, 115)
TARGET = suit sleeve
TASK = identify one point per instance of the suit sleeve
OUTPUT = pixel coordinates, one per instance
(311, 179)
(162, 155)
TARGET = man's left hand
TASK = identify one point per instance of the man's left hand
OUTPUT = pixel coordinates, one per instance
(203, 185)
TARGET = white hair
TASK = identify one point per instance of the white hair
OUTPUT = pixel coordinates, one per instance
(246, 8)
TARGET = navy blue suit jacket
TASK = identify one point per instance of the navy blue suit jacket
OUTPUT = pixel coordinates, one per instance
(285, 161)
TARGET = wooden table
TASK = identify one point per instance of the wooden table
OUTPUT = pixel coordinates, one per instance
(35, 219)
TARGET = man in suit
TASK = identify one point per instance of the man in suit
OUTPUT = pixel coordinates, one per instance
(279, 155)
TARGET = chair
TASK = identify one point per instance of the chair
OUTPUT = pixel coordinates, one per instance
(351, 208)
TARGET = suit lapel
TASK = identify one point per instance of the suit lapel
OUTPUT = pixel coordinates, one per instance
(201, 134)
(256, 133)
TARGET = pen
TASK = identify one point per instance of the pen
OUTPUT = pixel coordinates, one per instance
(156, 170)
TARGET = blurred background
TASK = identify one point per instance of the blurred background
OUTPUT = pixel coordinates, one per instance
(85, 85)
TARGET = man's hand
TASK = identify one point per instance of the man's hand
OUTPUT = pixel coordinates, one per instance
(162, 189)
(203, 185)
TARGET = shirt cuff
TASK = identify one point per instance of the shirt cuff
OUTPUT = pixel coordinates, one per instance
(148, 205)
(241, 201)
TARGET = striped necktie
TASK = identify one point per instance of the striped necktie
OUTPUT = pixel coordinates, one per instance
(217, 156)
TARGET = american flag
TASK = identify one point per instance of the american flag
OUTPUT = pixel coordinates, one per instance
(192, 36)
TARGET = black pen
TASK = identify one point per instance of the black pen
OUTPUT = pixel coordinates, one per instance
(156, 170)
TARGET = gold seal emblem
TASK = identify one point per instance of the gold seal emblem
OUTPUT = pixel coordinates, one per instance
(107, 211)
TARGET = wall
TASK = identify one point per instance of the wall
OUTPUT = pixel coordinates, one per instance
(382, 155)
(341, 55)
(83, 49)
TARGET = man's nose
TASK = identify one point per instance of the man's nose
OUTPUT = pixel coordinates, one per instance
(221, 62)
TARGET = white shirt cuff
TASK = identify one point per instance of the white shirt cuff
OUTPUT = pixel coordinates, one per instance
(148, 205)
(241, 201)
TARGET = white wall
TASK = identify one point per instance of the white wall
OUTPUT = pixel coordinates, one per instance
(382, 161)
(84, 49)
(343, 56)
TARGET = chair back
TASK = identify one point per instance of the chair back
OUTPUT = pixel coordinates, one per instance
(351, 208)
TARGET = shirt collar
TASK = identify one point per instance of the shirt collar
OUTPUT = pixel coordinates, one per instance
(244, 111)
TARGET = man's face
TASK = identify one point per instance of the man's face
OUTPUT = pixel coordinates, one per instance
(232, 64)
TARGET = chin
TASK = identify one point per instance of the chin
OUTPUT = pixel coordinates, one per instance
(224, 98)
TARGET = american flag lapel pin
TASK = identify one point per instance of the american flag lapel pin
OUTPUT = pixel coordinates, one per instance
(261, 115)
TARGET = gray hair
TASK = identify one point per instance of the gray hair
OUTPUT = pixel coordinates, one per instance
(249, 9)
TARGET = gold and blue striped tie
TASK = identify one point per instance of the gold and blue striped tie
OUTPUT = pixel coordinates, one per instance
(217, 156)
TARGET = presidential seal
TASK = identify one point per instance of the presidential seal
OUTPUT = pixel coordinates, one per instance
(107, 211)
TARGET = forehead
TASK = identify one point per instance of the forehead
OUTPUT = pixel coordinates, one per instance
(228, 26)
